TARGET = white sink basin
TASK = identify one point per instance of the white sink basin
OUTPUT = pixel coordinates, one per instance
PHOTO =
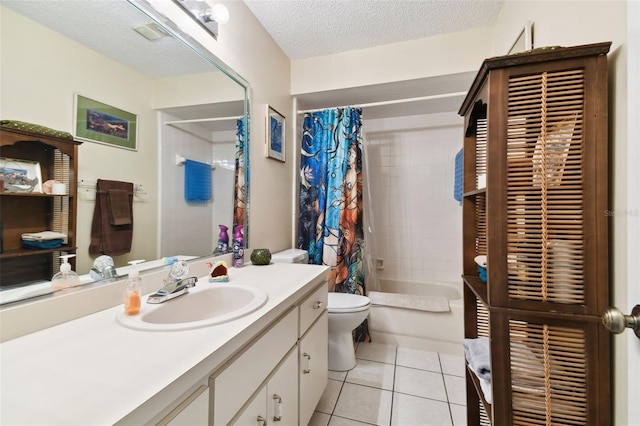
(201, 307)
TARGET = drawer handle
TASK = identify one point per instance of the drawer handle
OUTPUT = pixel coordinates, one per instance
(318, 305)
(307, 363)
(277, 409)
(262, 420)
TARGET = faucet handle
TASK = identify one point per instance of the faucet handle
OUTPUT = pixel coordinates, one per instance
(179, 270)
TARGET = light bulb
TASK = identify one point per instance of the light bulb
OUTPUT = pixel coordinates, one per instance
(220, 13)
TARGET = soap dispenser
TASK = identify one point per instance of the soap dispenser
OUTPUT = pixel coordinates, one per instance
(66, 277)
(132, 290)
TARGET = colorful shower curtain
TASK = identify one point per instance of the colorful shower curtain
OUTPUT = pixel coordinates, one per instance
(330, 221)
(241, 195)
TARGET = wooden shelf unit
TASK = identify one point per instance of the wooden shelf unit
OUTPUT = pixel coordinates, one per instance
(535, 190)
(34, 211)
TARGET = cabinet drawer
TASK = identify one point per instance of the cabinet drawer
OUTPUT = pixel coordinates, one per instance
(233, 387)
(312, 307)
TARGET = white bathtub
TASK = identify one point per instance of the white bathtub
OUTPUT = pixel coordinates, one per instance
(432, 331)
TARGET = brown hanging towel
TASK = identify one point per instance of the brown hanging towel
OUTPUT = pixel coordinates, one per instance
(112, 226)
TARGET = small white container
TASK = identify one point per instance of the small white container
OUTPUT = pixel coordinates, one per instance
(58, 188)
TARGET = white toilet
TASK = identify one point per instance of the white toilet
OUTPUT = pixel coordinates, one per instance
(346, 312)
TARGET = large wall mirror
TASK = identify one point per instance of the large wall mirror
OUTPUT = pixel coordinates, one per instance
(188, 105)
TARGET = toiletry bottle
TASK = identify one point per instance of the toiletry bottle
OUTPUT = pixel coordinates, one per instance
(132, 290)
(223, 240)
(66, 277)
(238, 247)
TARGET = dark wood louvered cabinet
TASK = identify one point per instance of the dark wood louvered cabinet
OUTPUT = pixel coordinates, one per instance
(35, 211)
(535, 193)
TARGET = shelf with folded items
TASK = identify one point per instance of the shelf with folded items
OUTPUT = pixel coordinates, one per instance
(23, 252)
(49, 156)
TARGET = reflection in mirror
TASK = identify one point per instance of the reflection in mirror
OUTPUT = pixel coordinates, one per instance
(188, 107)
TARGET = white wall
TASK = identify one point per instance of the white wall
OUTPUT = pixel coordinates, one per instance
(245, 46)
(564, 23)
(426, 57)
(188, 228)
(411, 173)
(39, 87)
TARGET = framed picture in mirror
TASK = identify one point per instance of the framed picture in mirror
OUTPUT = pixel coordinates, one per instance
(276, 143)
(98, 122)
(20, 175)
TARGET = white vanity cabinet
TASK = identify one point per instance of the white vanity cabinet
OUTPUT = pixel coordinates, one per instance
(236, 383)
(280, 376)
(282, 392)
(255, 414)
(193, 411)
(313, 352)
(276, 402)
(200, 376)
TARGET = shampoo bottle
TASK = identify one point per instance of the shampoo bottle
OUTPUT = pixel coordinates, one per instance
(223, 240)
(132, 290)
(238, 247)
(66, 277)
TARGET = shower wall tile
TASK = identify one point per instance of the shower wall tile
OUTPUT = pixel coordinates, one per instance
(417, 221)
(193, 229)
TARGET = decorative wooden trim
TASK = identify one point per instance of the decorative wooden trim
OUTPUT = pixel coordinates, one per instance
(542, 54)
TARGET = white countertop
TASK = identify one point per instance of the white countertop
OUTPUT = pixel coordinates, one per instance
(94, 371)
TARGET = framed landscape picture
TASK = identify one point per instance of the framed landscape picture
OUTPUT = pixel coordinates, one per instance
(95, 121)
(276, 144)
(20, 175)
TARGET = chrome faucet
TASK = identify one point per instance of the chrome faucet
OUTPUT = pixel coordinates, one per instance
(103, 268)
(172, 290)
(175, 284)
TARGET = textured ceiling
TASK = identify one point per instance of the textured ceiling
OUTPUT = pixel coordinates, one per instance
(307, 28)
(302, 28)
(106, 26)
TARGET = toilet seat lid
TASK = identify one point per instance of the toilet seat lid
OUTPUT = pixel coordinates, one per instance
(345, 302)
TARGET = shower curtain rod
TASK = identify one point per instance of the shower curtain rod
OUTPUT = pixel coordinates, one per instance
(202, 120)
(392, 102)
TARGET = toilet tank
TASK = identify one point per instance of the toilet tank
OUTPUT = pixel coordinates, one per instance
(291, 256)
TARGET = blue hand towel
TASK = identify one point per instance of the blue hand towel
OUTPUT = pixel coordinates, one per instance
(42, 245)
(457, 186)
(197, 182)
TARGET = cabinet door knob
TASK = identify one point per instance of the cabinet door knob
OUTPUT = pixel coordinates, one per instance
(277, 409)
(616, 321)
(318, 305)
(307, 363)
(261, 420)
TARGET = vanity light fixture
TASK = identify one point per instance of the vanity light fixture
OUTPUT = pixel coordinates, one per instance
(207, 13)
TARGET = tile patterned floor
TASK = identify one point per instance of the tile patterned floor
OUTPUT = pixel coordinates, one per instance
(393, 386)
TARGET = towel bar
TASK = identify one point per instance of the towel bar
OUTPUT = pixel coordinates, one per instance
(181, 160)
(138, 189)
